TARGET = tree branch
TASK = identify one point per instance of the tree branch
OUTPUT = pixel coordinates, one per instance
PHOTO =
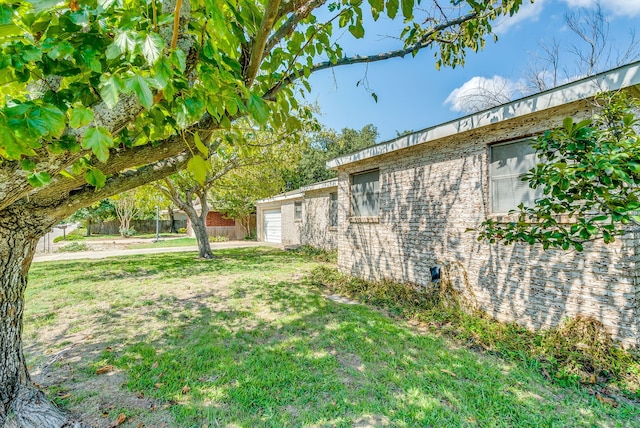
(124, 159)
(118, 183)
(425, 41)
(287, 28)
(259, 42)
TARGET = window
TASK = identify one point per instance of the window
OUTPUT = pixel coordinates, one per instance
(508, 162)
(365, 194)
(333, 210)
(297, 210)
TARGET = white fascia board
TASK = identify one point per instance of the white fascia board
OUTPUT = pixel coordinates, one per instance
(327, 184)
(282, 197)
(299, 193)
(613, 80)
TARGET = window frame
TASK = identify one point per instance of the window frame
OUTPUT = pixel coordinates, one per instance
(374, 217)
(333, 210)
(491, 177)
(297, 213)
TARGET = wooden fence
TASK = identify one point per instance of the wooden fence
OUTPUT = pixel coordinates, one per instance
(112, 227)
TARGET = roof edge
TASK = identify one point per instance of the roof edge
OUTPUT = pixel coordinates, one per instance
(615, 79)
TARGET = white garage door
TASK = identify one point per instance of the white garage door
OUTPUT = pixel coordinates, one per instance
(273, 226)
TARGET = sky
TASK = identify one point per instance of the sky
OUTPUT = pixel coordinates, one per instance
(413, 95)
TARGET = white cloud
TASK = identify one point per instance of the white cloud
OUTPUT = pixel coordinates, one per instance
(480, 93)
(616, 7)
(528, 12)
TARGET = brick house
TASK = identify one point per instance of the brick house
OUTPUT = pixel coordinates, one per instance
(405, 206)
(306, 216)
(401, 207)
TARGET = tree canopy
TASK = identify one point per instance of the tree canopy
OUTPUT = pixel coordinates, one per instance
(324, 146)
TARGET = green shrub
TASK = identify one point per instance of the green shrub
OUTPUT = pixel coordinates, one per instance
(74, 247)
(127, 232)
(578, 351)
(218, 239)
(317, 254)
(70, 237)
(182, 230)
(252, 236)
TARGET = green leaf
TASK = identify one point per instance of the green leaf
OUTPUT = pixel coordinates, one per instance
(6, 14)
(162, 72)
(124, 42)
(152, 47)
(257, 108)
(634, 166)
(28, 165)
(139, 86)
(99, 140)
(407, 9)
(392, 8)
(110, 90)
(80, 116)
(568, 124)
(198, 167)
(357, 30)
(179, 59)
(44, 120)
(95, 177)
(200, 145)
(39, 179)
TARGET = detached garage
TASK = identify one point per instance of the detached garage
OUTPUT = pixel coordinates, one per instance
(307, 216)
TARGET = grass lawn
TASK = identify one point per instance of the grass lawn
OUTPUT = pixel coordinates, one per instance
(245, 340)
(175, 242)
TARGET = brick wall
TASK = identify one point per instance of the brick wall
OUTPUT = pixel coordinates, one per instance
(216, 219)
(315, 228)
(432, 193)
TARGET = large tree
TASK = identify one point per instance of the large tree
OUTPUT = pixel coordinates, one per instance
(100, 96)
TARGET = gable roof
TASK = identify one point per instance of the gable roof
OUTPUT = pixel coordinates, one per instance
(627, 76)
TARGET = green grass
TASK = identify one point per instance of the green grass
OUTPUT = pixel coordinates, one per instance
(247, 340)
(176, 242)
(73, 247)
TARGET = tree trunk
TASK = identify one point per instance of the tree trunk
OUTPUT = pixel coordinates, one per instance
(200, 230)
(172, 221)
(21, 403)
(88, 227)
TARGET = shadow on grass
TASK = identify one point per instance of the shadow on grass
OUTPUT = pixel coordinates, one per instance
(268, 352)
(298, 360)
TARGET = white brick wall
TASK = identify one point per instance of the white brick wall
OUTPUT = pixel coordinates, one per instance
(430, 194)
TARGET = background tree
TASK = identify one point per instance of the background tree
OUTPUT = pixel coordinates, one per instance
(97, 212)
(127, 208)
(239, 151)
(237, 192)
(592, 52)
(324, 146)
(589, 173)
(99, 97)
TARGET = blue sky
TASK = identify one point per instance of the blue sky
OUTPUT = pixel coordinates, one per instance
(412, 94)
